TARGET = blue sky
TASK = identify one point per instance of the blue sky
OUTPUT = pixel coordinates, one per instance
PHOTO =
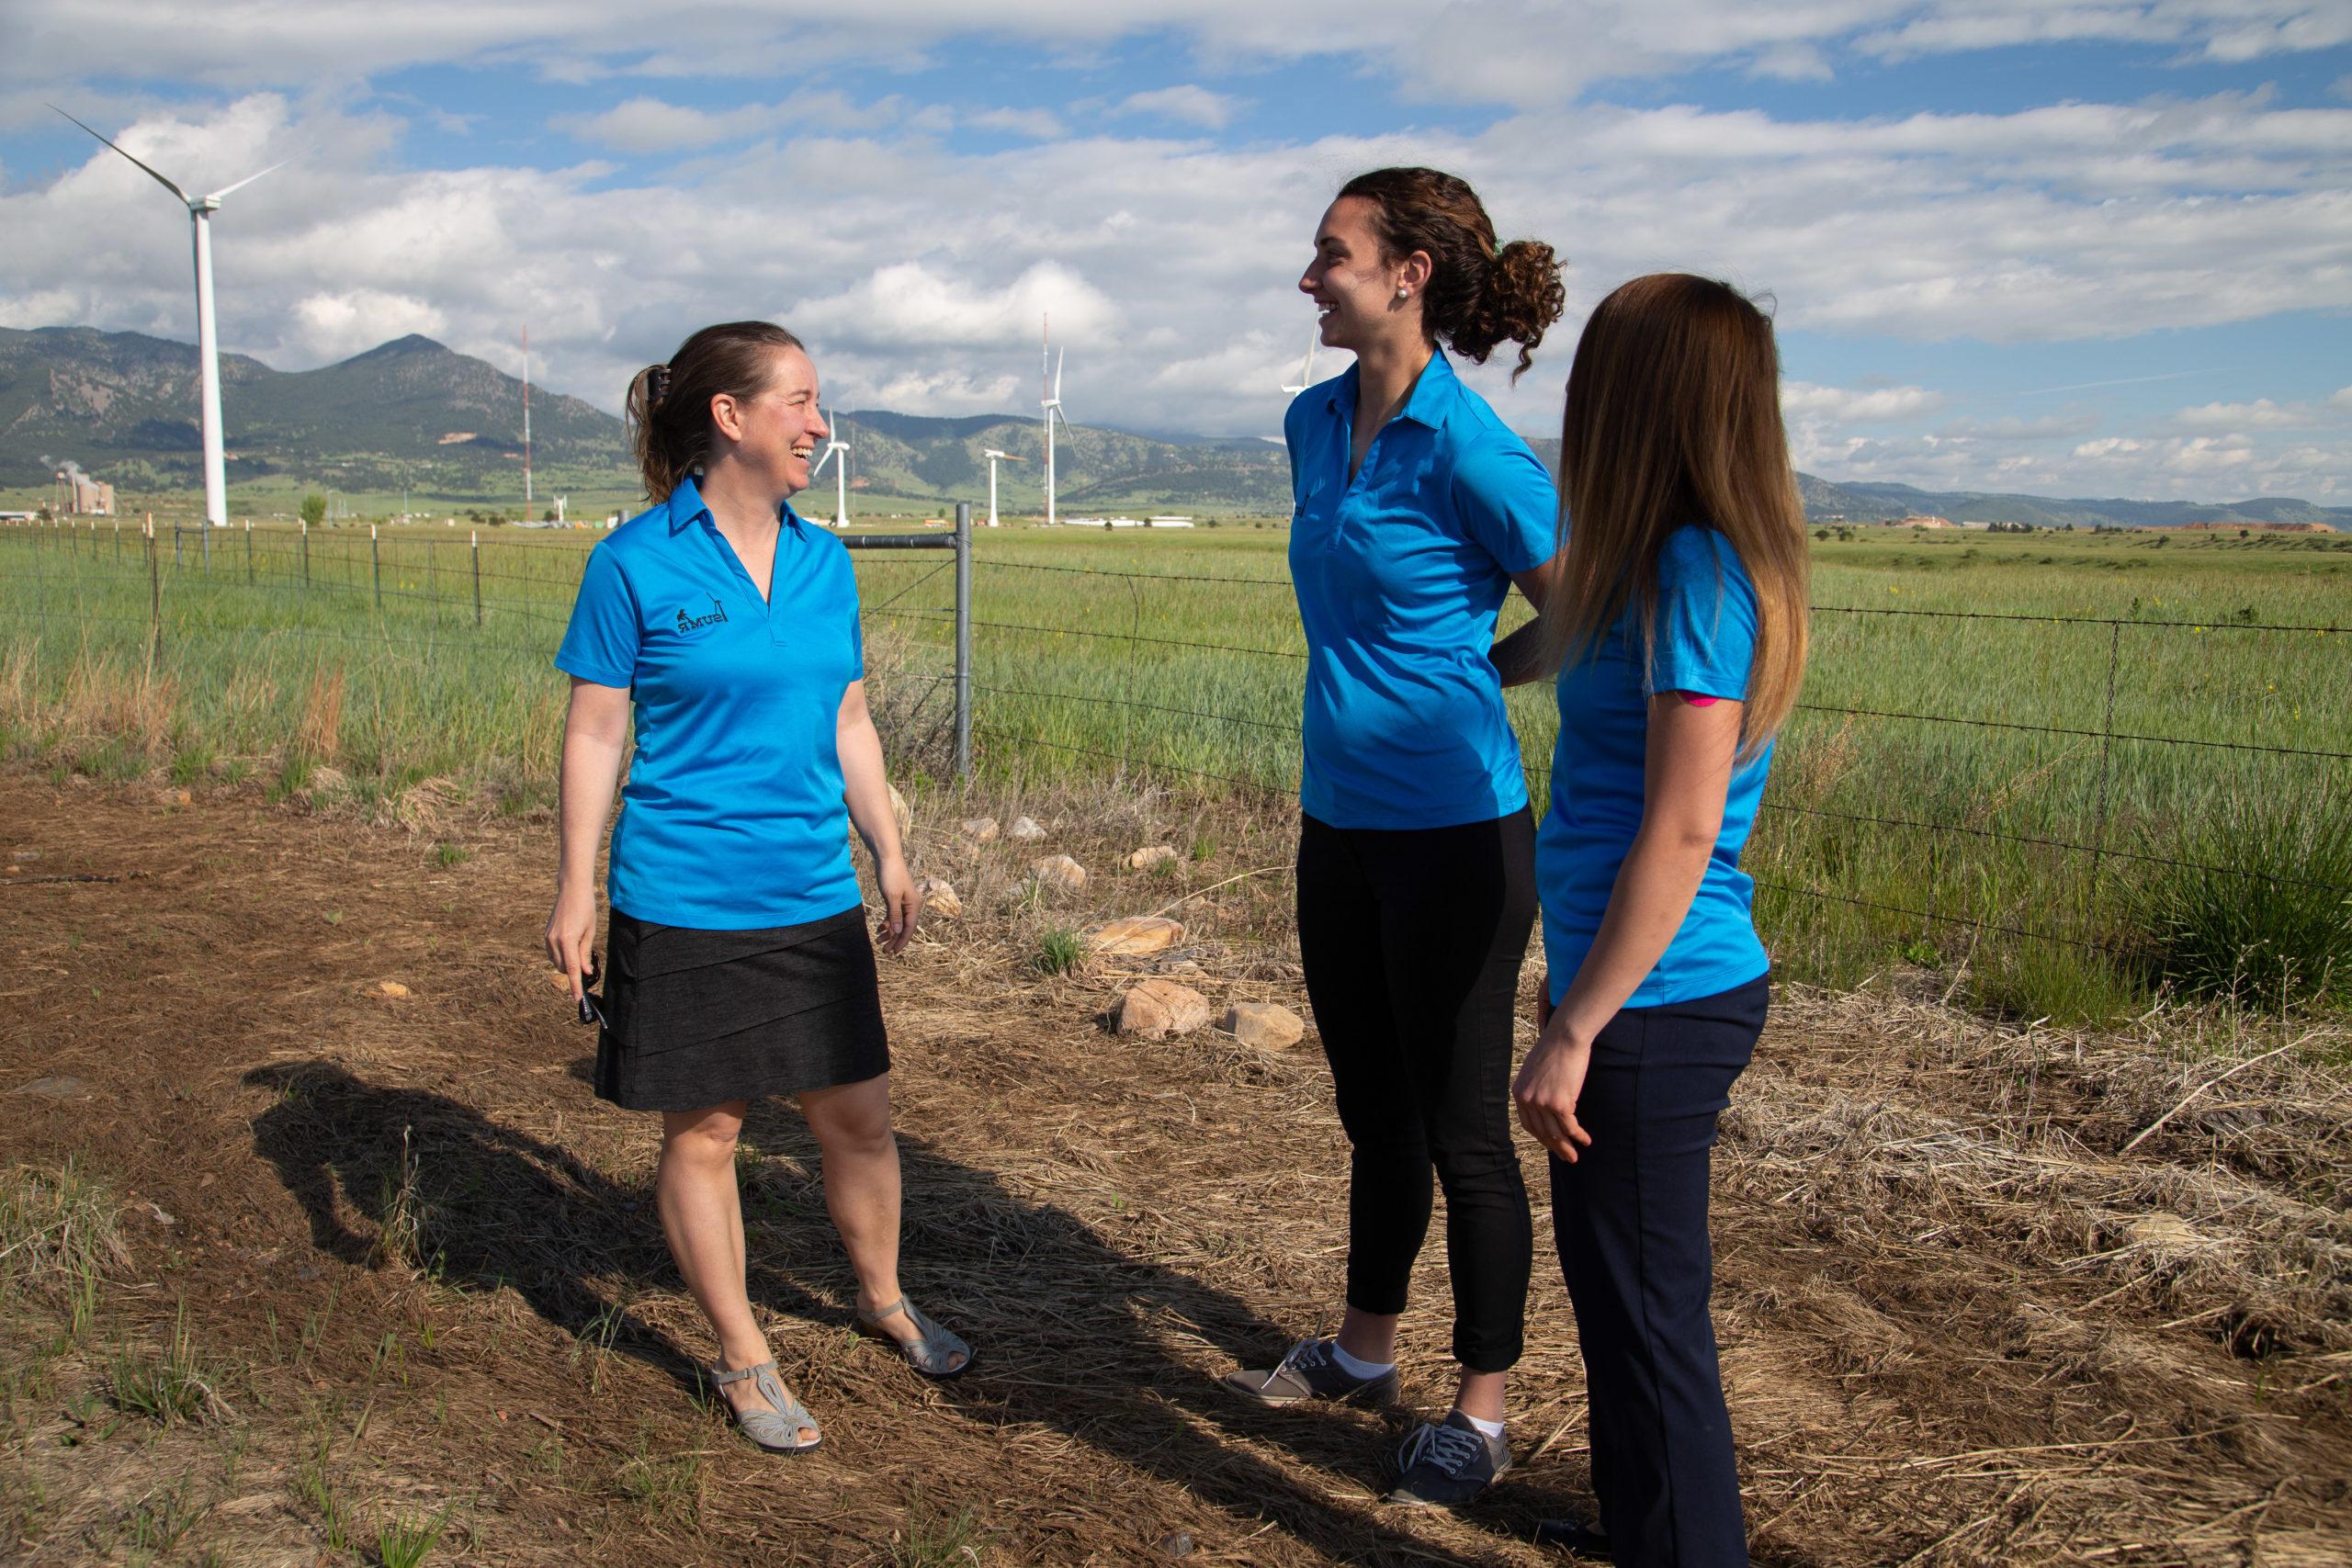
(2058, 246)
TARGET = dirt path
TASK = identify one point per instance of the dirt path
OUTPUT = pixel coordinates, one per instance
(419, 1261)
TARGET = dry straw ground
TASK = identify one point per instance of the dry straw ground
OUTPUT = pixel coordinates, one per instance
(1974, 1309)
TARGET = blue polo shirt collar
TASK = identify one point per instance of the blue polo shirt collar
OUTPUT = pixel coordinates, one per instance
(686, 505)
(1432, 398)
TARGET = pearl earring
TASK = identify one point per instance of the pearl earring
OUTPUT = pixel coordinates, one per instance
(1402, 291)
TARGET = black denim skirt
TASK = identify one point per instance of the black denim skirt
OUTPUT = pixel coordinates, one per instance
(698, 1018)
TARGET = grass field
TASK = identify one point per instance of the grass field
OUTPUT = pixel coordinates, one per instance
(2044, 761)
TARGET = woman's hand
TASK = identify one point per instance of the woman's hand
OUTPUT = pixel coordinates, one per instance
(901, 902)
(571, 937)
(1549, 1083)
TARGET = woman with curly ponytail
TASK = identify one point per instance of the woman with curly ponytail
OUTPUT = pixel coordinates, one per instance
(1416, 509)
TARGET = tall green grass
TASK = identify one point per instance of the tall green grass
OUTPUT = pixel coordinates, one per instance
(2043, 763)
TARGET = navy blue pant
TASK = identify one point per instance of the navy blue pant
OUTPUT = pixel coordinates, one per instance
(1631, 1220)
(1412, 941)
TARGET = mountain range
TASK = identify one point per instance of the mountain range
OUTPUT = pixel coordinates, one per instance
(413, 412)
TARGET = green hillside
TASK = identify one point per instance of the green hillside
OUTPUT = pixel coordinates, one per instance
(124, 406)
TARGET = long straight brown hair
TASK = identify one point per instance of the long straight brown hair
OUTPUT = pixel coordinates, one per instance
(1674, 418)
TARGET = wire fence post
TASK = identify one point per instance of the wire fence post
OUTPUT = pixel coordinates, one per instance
(305, 552)
(249, 552)
(473, 542)
(2106, 751)
(207, 544)
(155, 598)
(962, 642)
(179, 548)
(376, 567)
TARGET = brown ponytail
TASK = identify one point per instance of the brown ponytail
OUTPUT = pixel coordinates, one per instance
(669, 405)
(1477, 296)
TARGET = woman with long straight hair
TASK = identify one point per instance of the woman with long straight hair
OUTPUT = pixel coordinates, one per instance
(1677, 625)
(1415, 511)
(737, 963)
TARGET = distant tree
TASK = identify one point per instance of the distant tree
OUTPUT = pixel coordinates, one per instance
(314, 509)
(548, 516)
(2244, 533)
(1822, 534)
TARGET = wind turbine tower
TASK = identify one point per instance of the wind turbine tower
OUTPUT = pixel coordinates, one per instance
(837, 453)
(200, 209)
(1307, 377)
(526, 422)
(1050, 400)
(994, 457)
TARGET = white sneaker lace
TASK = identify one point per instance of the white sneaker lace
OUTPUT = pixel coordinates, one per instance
(1449, 1448)
(1307, 1355)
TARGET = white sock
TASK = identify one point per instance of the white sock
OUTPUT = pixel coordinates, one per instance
(1356, 1368)
(1491, 1428)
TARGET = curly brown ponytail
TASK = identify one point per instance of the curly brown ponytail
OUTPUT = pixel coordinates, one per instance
(1477, 296)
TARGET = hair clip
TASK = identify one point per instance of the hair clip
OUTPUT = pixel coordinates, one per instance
(657, 383)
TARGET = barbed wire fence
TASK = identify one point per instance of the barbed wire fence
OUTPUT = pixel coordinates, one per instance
(1952, 774)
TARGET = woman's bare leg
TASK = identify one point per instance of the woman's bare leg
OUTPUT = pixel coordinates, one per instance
(702, 1214)
(852, 1123)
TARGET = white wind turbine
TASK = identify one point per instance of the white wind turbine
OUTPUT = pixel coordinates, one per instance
(1307, 377)
(994, 457)
(200, 209)
(835, 453)
(1050, 402)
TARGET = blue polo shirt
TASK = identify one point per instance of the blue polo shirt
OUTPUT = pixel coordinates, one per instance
(1705, 641)
(1400, 573)
(733, 819)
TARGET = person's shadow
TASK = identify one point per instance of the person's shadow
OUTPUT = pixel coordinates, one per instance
(1068, 1330)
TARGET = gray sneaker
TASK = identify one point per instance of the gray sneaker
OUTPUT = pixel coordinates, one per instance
(1309, 1371)
(1442, 1465)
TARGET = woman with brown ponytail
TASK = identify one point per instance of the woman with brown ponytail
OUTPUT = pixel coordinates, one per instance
(738, 964)
(1415, 511)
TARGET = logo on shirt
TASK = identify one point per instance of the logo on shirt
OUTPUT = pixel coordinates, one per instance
(717, 616)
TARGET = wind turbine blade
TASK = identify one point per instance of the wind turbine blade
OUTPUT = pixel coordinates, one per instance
(1057, 376)
(249, 179)
(167, 184)
(819, 467)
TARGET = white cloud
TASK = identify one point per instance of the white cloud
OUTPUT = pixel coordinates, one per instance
(910, 306)
(648, 125)
(2259, 414)
(1187, 105)
(1867, 405)
(1041, 125)
(1792, 63)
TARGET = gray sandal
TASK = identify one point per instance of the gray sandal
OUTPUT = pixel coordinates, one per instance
(776, 1430)
(934, 1354)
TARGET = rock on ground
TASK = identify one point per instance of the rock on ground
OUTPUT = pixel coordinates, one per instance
(1155, 1009)
(939, 897)
(1266, 1024)
(981, 829)
(1025, 828)
(1154, 855)
(1059, 872)
(1134, 936)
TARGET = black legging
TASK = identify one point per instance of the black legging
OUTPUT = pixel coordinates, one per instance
(1413, 941)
